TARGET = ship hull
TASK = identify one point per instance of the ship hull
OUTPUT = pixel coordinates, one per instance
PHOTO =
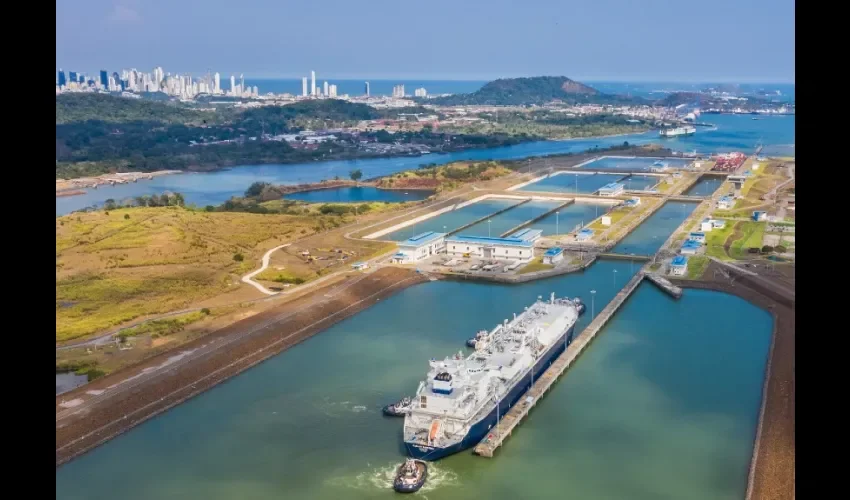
(482, 427)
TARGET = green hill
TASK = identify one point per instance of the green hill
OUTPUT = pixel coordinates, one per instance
(108, 108)
(534, 90)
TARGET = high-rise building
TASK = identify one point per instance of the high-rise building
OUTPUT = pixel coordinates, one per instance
(255, 91)
(117, 81)
(61, 80)
(232, 84)
(331, 90)
(398, 91)
(242, 82)
(312, 83)
(420, 92)
(304, 86)
(72, 76)
(367, 89)
(217, 83)
(325, 89)
(104, 79)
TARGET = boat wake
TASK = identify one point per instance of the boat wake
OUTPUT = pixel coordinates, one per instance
(381, 478)
(336, 409)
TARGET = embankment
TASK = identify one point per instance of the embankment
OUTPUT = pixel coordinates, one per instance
(772, 466)
(93, 414)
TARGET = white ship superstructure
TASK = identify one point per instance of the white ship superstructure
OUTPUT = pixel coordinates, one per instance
(462, 398)
(673, 132)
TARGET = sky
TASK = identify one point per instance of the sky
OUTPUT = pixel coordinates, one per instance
(593, 40)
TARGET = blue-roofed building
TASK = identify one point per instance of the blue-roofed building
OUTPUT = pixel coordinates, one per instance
(679, 266)
(486, 247)
(690, 247)
(528, 234)
(553, 255)
(420, 247)
(759, 216)
(632, 202)
(725, 202)
(584, 235)
(611, 189)
(697, 236)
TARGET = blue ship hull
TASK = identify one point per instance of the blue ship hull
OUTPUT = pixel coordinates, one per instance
(480, 429)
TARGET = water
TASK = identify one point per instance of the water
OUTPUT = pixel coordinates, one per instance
(510, 219)
(573, 183)
(452, 220)
(654, 231)
(733, 133)
(705, 186)
(633, 164)
(574, 214)
(358, 194)
(67, 381)
(664, 404)
(641, 182)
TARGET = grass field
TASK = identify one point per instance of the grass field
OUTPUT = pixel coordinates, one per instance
(697, 265)
(534, 266)
(123, 265)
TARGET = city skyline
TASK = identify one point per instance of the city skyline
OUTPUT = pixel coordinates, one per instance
(751, 42)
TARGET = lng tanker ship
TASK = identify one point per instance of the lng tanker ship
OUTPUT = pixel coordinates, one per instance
(462, 399)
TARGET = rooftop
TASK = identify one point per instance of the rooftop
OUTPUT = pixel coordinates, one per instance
(611, 186)
(486, 240)
(691, 244)
(527, 234)
(679, 260)
(422, 239)
(553, 251)
(586, 231)
(697, 233)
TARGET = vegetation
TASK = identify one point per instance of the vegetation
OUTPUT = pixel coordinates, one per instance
(82, 107)
(534, 90)
(535, 265)
(356, 175)
(550, 124)
(444, 177)
(111, 270)
(696, 266)
(163, 327)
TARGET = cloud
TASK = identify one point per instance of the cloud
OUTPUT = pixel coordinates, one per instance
(124, 13)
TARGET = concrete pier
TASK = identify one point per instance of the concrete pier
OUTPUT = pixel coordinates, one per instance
(665, 285)
(532, 221)
(497, 435)
(622, 256)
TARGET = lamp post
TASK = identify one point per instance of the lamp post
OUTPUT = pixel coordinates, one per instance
(615, 279)
(556, 223)
(488, 227)
(592, 304)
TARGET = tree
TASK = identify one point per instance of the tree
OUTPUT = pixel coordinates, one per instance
(109, 204)
(766, 249)
(126, 216)
(781, 249)
(355, 175)
(238, 257)
(178, 200)
(256, 189)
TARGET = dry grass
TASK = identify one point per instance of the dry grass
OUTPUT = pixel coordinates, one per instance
(111, 270)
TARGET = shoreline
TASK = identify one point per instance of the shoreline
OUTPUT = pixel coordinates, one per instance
(77, 186)
(91, 415)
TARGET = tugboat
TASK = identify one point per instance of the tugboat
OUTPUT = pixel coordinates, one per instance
(398, 409)
(579, 305)
(410, 476)
(474, 340)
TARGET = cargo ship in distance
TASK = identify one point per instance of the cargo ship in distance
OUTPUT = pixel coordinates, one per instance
(462, 399)
(675, 132)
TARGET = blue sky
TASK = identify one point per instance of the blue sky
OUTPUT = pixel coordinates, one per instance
(616, 40)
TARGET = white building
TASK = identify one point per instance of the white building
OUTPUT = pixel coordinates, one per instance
(312, 83)
(331, 90)
(725, 203)
(325, 88)
(304, 87)
(485, 247)
(612, 189)
(419, 247)
(553, 256)
(679, 266)
(420, 92)
(217, 83)
(398, 91)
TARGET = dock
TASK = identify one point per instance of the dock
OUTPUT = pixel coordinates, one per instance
(622, 256)
(665, 285)
(503, 429)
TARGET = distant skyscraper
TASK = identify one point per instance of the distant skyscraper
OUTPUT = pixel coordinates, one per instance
(72, 76)
(398, 91)
(312, 83)
(104, 79)
(331, 90)
(304, 86)
(61, 81)
(81, 78)
(367, 89)
(217, 83)
(420, 92)
(325, 89)
(232, 84)
(242, 82)
(117, 79)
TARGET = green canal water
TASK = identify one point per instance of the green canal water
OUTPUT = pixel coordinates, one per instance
(664, 404)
